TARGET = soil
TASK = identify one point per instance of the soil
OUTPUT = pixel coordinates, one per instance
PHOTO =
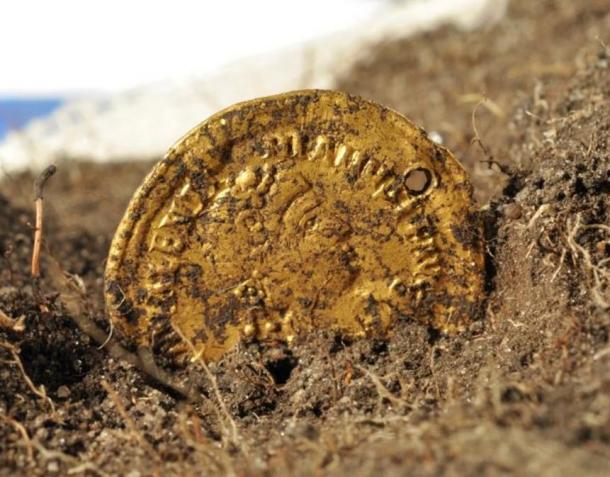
(525, 391)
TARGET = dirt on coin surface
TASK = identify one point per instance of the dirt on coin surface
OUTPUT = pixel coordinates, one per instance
(524, 391)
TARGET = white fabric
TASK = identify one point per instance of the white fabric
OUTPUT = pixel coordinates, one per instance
(143, 123)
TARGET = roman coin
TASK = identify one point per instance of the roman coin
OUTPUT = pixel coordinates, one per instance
(283, 215)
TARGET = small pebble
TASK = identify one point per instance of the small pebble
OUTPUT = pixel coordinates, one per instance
(8, 292)
(476, 327)
(63, 392)
(601, 247)
(513, 211)
(436, 137)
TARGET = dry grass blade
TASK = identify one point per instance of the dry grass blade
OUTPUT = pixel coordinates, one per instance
(38, 201)
(489, 157)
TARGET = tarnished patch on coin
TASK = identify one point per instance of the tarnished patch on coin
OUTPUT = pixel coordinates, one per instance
(311, 209)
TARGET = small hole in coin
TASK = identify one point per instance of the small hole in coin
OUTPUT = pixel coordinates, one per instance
(418, 181)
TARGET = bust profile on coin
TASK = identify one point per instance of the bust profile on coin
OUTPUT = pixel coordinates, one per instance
(303, 211)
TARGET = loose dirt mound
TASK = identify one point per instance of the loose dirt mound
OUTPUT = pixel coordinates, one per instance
(525, 391)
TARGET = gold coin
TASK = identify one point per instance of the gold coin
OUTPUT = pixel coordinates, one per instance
(302, 211)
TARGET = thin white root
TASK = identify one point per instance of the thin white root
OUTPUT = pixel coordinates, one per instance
(598, 274)
(234, 434)
(541, 210)
(37, 390)
(383, 391)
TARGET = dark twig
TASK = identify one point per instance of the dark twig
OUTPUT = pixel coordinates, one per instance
(75, 301)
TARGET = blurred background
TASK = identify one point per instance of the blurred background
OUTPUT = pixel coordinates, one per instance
(118, 80)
